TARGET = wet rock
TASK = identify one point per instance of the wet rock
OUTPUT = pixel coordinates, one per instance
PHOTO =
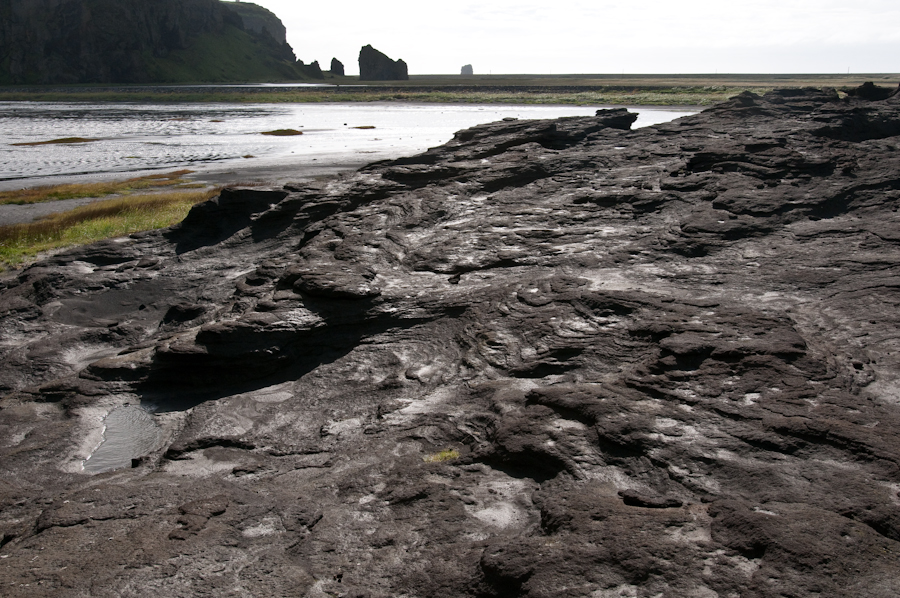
(545, 355)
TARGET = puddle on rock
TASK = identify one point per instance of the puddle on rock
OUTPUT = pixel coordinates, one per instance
(129, 432)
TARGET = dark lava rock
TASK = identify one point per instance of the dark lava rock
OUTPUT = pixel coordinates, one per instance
(337, 67)
(467, 71)
(375, 66)
(549, 358)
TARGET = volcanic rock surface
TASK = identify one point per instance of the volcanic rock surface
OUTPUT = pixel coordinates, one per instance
(549, 358)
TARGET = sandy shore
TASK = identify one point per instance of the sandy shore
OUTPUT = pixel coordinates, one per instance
(216, 176)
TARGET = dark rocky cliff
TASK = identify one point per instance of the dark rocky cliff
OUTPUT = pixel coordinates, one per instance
(376, 66)
(135, 41)
(259, 20)
(549, 358)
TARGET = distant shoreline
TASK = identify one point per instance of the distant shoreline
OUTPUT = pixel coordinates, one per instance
(619, 90)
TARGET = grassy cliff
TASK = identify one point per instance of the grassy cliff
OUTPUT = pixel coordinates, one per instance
(140, 41)
(228, 55)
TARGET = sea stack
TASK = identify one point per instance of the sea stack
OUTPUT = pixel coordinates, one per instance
(467, 71)
(312, 70)
(337, 67)
(375, 66)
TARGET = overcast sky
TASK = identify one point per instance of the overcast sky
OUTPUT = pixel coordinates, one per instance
(601, 36)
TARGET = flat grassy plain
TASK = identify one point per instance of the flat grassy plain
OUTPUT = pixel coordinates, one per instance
(623, 90)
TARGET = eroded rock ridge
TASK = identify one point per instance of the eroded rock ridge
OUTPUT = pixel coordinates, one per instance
(549, 358)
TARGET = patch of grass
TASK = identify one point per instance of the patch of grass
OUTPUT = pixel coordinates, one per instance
(635, 90)
(100, 220)
(441, 457)
(79, 190)
(574, 96)
(283, 132)
(61, 140)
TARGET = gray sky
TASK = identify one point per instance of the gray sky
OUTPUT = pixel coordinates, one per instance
(601, 36)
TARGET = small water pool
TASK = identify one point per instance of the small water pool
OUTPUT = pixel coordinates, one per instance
(129, 432)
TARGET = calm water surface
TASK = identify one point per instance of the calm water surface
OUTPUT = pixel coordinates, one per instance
(129, 432)
(132, 138)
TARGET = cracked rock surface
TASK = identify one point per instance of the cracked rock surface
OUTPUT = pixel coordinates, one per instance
(549, 358)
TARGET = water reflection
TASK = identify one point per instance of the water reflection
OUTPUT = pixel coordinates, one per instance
(131, 137)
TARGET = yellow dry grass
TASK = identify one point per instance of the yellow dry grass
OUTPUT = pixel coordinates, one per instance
(442, 456)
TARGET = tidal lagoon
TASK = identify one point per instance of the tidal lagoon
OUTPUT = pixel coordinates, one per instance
(123, 139)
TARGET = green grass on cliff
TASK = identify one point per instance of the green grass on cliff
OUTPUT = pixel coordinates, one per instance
(231, 55)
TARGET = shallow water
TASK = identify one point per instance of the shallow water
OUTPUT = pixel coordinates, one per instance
(129, 432)
(133, 138)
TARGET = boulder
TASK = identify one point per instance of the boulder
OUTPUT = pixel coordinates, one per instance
(375, 66)
(467, 71)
